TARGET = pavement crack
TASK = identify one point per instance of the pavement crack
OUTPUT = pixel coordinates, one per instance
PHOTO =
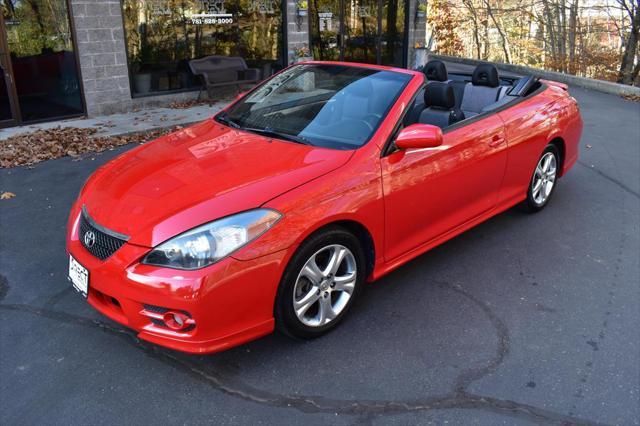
(610, 179)
(4, 287)
(53, 300)
(464, 379)
(457, 399)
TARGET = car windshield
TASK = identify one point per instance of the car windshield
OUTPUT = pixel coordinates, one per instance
(331, 106)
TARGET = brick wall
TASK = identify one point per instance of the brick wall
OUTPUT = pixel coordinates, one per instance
(417, 33)
(103, 60)
(297, 29)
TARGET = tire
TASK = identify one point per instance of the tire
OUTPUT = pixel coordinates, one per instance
(545, 175)
(305, 293)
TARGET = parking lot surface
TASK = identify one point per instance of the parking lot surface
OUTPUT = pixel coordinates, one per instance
(525, 319)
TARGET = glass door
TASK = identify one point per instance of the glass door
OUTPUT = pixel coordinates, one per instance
(368, 31)
(39, 50)
(392, 30)
(361, 31)
(326, 29)
(7, 94)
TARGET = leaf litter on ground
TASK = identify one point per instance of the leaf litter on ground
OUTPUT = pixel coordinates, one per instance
(27, 149)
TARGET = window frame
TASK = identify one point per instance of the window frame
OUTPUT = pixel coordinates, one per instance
(283, 56)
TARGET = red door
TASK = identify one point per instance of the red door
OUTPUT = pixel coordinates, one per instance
(428, 192)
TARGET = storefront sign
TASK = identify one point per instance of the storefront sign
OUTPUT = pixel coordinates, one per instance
(214, 13)
(263, 7)
(325, 19)
(160, 7)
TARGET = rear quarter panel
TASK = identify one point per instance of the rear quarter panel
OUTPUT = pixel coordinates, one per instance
(529, 126)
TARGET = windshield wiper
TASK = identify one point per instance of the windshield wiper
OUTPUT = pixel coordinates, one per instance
(224, 118)
(275, 134)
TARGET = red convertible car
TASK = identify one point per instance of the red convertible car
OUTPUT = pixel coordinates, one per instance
(275, 212)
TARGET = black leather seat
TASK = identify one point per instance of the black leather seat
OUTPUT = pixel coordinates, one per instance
(440, 106)
(483, 90)
(436, 71)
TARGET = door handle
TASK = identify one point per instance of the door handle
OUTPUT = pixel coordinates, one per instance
(496, 140)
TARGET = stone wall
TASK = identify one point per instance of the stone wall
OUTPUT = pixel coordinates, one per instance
(103, 61)
(417, 33)
(297, 30)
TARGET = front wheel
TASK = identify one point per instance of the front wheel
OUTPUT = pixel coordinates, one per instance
(320, 284)
(543, 181)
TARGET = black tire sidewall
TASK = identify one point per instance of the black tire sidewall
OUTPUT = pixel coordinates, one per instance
(286, 319)
(530, 203)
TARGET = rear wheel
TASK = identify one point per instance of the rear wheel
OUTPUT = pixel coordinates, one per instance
(543, 181)
(320, 284)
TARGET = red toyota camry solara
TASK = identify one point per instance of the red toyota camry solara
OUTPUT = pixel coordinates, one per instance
(276, 211)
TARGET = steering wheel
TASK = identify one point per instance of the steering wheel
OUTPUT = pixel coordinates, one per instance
(370, 119)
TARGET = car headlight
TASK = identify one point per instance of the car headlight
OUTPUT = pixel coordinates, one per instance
(207, 244)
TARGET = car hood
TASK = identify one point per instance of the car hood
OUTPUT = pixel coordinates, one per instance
(197, 175)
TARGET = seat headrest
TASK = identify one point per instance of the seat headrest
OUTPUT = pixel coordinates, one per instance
(485, 75)
(440, 95)
(436, 71)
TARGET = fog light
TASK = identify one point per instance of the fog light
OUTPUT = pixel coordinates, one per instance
(176, 320)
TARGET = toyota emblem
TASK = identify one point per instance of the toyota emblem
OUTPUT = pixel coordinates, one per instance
(89, 239)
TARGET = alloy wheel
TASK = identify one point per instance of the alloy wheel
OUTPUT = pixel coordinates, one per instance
(324, 285)
(544, 178)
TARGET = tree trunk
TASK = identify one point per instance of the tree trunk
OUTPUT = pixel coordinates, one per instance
(626, 73)
(474, 20)
(505, 48)
(550, 34)
(573, 21)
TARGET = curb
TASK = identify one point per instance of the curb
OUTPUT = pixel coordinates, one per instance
(587, 83)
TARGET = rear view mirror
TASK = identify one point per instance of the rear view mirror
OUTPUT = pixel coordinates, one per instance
(419, 136)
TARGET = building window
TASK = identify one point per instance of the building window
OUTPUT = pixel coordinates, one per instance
(38, 67)
(163, 35)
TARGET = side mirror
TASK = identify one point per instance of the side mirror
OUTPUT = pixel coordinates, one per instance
(419, 136)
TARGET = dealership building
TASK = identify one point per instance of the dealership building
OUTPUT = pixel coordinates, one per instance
(70, 58)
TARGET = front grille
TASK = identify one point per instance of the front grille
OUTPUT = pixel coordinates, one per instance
(156, 309)
(102, 245)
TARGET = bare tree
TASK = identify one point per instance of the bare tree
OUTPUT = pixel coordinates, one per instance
(628, 70)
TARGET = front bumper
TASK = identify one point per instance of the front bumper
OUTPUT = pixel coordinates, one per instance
(231, 302)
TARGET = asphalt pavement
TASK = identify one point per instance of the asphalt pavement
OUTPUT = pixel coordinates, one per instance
(525, 319)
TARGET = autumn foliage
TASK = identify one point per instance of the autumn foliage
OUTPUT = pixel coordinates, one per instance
(596, 39)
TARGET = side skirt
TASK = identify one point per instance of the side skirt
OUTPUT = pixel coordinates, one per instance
(385, 268)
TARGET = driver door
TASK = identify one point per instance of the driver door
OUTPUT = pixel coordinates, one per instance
(432, 191)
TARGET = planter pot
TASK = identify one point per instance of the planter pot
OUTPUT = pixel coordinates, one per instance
(302, 12)
(142, 83)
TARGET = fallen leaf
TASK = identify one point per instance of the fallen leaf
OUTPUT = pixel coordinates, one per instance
(7, 195)
(26, 149)
(191, 103)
